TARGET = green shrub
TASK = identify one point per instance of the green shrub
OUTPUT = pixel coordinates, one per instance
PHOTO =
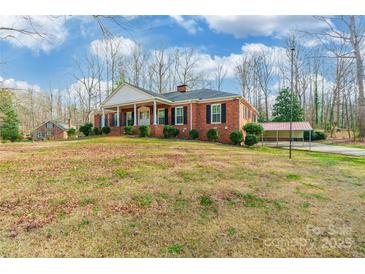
(213, 135)
(105, 130)
(71, 132)
(236, 137)
(144, 131)
(251, 140)
(253, 128)
(315, 135)
(206, 201)
(194, 134)
(128, 130)
(97, 131)
(86, 129)
(170, 131)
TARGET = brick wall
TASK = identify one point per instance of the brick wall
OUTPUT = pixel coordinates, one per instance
(55, 133)
(235, 119)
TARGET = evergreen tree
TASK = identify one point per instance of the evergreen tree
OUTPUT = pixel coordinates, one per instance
(10, 128)
(281, 109)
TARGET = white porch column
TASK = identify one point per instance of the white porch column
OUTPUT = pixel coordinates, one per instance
(154, 113)
(103, 118)
(135, 114)
(118, 117)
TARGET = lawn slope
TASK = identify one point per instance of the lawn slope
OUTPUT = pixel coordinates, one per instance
(134, 197)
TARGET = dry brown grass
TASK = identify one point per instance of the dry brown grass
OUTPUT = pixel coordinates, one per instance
(133, 197)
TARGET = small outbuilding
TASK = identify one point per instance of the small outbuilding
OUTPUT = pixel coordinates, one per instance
(280, 131)
(51, 130)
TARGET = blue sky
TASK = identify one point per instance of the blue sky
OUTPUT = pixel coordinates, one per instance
(50, 63)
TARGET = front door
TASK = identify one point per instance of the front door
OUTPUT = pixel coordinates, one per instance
(144, 118)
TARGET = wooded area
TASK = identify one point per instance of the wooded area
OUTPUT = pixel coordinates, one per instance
(328, 75)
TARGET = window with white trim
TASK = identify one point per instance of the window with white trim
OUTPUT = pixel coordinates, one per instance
(49, 125)
(216, 113)
(179, 115)
(129, 119)
(161, 116)
(49, 133)
(39, 134)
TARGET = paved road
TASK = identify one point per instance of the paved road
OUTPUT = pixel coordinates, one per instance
(321, 148)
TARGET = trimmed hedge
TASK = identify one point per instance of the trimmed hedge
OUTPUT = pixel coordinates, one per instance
(86, 129)
(251, 140)
(97, 131)
(236, 137)
(128, 130)
(144, 131)
(213, 135)
(170, 131)
(315, 135)
(71, 132)
(253, 128)
(105, 130)
(194, 134)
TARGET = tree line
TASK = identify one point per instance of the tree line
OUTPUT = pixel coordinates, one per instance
(328, 77)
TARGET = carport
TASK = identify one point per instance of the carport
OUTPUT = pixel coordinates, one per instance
(280, 131)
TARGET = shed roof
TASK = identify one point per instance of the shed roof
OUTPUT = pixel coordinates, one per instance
(281, 126)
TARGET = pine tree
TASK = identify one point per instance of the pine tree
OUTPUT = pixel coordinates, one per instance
(10, 128)
(281, 109)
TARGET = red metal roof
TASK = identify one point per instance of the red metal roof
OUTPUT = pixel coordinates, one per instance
(278, 126)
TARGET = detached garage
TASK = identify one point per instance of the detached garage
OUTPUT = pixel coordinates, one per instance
(280, 131)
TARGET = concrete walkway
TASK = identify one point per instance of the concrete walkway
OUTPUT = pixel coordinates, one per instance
(320, 148)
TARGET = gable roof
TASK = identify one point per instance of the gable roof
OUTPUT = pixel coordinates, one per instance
(58, 124)
(280, 126)
(176, 96)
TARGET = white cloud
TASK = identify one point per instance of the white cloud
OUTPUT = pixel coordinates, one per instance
(253, 25)
(51, 28)
(124, 45)
(15, 84)
(187, 23)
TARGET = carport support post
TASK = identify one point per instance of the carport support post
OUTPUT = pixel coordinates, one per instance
(277, 138)
(310, 140)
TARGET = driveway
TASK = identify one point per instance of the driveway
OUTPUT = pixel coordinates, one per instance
(320, 148)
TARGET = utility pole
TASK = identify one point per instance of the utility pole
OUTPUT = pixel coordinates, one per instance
(291, 100)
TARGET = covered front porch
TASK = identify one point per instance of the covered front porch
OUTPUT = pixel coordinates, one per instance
(153, 113)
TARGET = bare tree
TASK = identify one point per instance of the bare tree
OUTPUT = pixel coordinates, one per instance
(351, 32)
(87, 76)
(220, 75)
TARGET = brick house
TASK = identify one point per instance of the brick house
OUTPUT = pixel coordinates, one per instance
(200, 109)
(51, 130)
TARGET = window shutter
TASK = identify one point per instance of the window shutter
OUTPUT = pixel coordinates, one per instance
(223, 112)
(120, 119)
(185, 115)
(208, 114)
(125, 119)
(173, 116)
(166, 116)
(132, 118)
(112, 120)
(106, 120)
(100, 120)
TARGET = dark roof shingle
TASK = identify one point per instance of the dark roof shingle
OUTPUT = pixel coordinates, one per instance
(197, 94)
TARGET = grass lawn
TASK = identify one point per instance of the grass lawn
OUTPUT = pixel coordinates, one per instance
(134, 197)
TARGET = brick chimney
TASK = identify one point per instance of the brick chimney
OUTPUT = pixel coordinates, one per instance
(69, 124)
(182, 88)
